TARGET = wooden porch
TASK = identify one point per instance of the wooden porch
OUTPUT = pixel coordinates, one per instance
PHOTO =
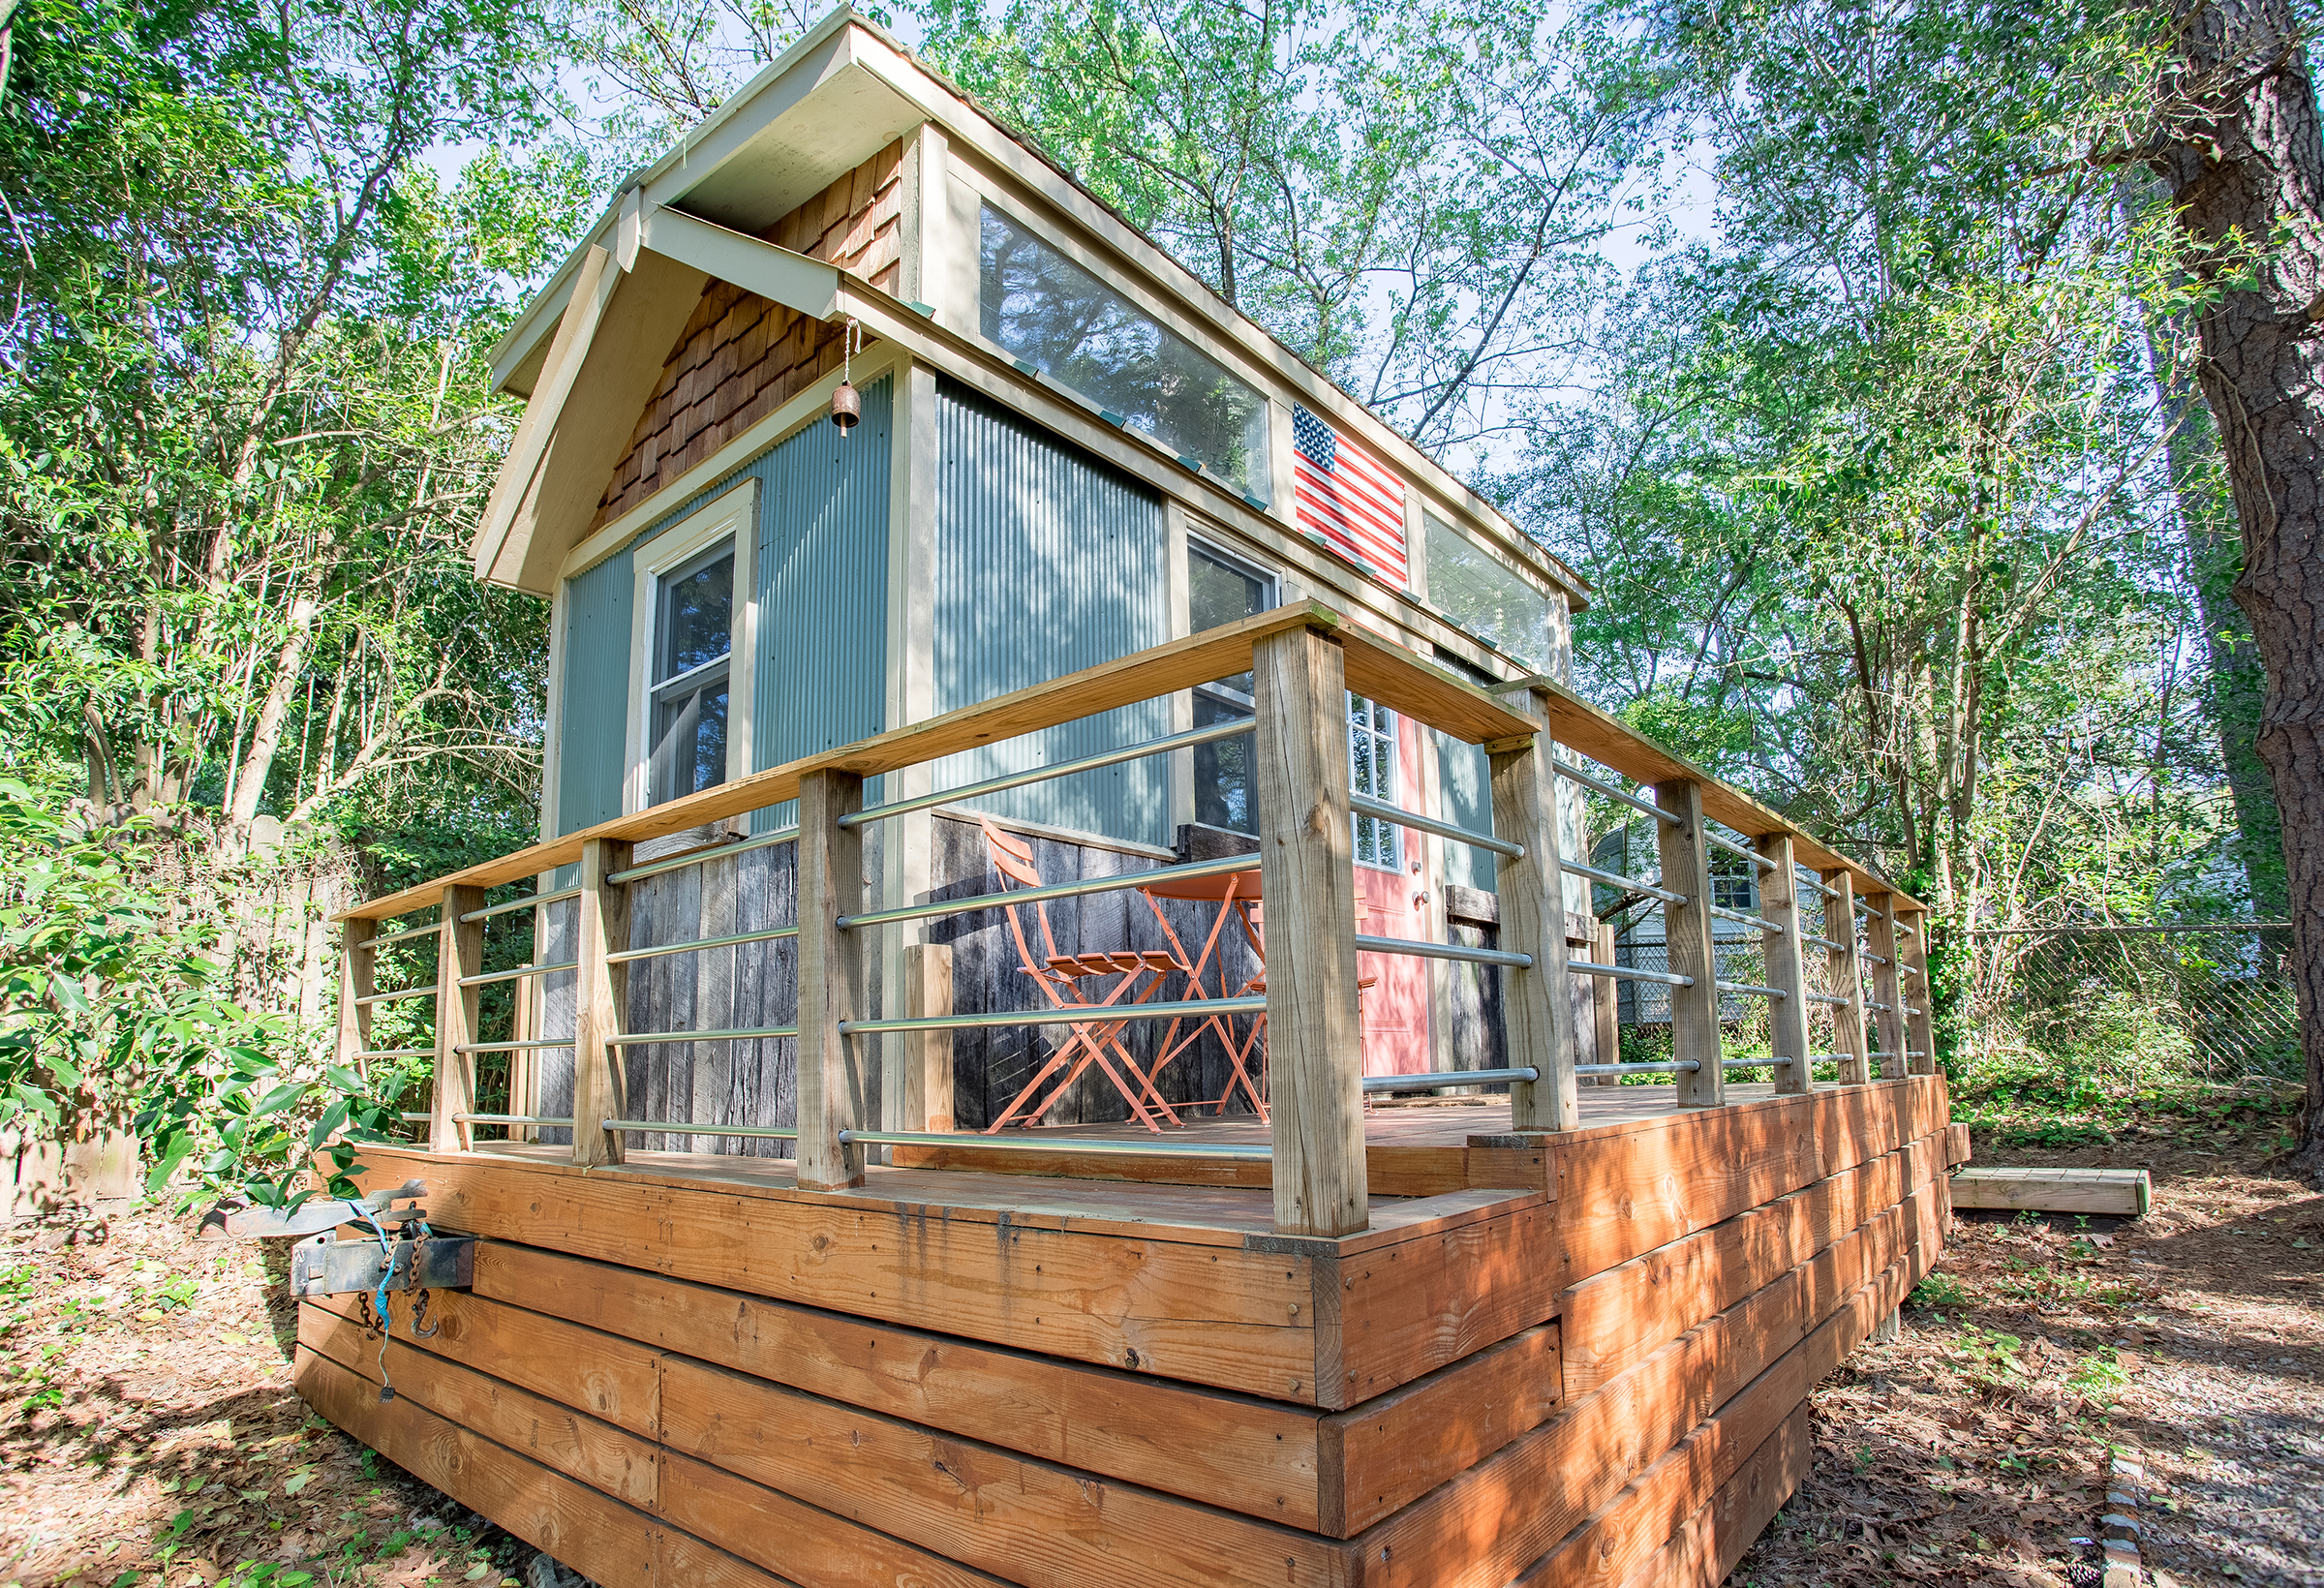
(1556, 1335)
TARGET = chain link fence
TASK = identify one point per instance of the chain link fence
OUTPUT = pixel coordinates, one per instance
(2212, 1002)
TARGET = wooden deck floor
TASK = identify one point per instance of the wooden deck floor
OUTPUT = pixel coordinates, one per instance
(1586, 1361)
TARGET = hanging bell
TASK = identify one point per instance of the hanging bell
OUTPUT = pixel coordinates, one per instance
(846, 408)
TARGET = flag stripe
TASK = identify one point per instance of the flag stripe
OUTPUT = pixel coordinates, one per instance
(1357, 504)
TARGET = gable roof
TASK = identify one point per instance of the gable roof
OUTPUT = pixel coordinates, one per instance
(588, 349)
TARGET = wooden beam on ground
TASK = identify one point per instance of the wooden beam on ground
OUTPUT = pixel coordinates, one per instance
(459, 952)
(1307, 880)
(1689, 944)
(1843, 977)
(1537, 1003)
(600, 995)
(831, 981)
(1787, 1016)
(2127, 1192)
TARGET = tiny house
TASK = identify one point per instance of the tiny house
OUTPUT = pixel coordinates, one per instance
(1057, 967)
(1083, 453)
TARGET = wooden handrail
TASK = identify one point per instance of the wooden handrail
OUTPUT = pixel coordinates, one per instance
(1376, 668)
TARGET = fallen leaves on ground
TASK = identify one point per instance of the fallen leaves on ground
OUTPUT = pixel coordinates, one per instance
(1974, 1449)
(152, 1437)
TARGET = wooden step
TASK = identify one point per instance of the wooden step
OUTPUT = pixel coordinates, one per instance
(2123, 1191)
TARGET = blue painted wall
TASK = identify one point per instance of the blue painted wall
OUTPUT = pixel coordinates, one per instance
(1045, 561)
(823, 615)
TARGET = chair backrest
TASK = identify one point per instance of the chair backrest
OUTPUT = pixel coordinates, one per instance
(1013, 859)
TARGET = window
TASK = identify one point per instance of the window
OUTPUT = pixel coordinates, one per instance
(1734, 883)
(1372, 770)
(1486, 597)
(1049, 312)
(1219, 592)
(692, 657)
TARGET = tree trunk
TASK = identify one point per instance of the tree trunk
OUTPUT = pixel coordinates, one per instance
(2244, 156)
(2238, 682)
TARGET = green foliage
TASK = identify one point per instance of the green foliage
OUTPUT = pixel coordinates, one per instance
(112, 1011)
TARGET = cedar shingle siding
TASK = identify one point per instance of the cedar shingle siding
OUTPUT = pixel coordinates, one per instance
(741, 357)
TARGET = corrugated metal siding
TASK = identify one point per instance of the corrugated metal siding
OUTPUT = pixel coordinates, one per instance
(823, 590)
(594, 743)
(1465, 780)
(1045, 561)
(821, 676)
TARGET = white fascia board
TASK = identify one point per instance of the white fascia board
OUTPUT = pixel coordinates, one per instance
(698, 152)
(793, 279)
(1140, 257)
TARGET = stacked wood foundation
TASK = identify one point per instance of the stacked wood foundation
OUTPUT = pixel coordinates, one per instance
(1595, 1374)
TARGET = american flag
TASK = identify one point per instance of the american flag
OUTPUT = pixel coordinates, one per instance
(1347, 496)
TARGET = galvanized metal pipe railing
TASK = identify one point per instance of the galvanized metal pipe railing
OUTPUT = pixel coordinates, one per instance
(674, 1127)
(1753, 991)
(1720, 841)
(532, 901)
(1630, 884)
(1055, 890)
(1104, 1147)
(1363, 805)
(396, 996)
(1574, 774)
(699, 944)
(1424, 948)
(1744, 918)
(1236, 729)
(1689, 1066)
(394, 1053)
(1072, 1013)
(1626, 974)
(749, 1033)
(1439, 1079)
(519, 973)
(703, 856)
(428, 934)
(564, 1120)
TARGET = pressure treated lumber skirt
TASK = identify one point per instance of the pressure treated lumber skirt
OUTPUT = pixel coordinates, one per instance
(1618, 1395)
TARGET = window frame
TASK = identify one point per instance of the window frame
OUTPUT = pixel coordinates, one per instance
(732, 517)
(1231, 361)
(1384, 739)
(1218, 693)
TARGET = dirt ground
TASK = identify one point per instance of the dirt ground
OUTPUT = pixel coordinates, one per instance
(1974, 1449)
(151, 1436)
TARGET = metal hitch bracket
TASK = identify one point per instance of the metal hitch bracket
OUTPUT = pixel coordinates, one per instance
(337, 1267)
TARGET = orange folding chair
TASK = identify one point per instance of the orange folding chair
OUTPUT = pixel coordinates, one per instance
(1060, 976)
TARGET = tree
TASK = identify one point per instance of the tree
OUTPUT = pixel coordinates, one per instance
(2237, 141)
(243, 423)
(1417, 201)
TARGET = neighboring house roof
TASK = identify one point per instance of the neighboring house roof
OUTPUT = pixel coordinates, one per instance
(589, 348)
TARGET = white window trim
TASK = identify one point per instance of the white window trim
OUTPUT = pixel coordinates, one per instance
(1396, 720)
(735, 515)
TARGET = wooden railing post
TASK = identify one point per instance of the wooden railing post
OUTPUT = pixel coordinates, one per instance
(1537, 1004)
(1920, 1026)
(1787, 1016)
(1687, 935)
(600, 1000)
(1605, 1003)
(928, 1055)
(831, 980)
(1307, 882)
(1880, 939)
(358, 959)
(459, 952)
(1843, 975)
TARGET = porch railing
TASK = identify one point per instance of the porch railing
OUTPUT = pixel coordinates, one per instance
(1305, 660)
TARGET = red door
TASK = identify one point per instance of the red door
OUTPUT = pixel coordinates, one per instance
(1391, 901)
